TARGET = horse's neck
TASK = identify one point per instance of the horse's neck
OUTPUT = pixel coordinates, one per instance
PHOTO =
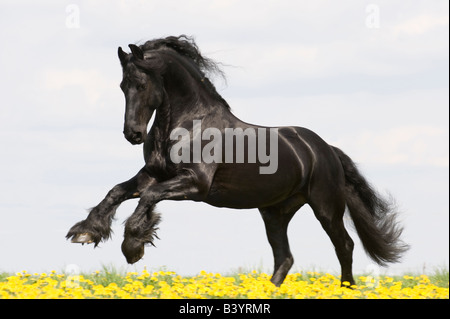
(162, 122)
(194, 105)
(173, 114)
(187, 98)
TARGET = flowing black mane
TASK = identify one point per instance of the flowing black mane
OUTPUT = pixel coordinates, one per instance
(186, 47)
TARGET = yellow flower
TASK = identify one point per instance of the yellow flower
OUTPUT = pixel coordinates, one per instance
(166, 284)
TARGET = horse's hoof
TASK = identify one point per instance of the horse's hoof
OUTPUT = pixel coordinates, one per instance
(133, 250)
(84, 238)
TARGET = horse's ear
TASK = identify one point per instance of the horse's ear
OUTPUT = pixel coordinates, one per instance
(122, 56)
(137, 52)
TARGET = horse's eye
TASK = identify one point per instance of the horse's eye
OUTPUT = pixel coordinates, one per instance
(140, 87)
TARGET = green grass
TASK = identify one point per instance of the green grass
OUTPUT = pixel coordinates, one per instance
(110, 274)
(440, 278)
(3, 276)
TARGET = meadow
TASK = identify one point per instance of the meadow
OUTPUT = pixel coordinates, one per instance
(112, 284)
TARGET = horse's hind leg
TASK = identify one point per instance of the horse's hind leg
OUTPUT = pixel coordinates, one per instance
(330, 211)
(276, 219)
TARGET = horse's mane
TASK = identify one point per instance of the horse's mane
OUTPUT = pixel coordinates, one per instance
(186, 46)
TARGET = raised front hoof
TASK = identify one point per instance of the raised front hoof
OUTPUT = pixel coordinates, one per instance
(133, 250)
(84, 238)
(84, 233)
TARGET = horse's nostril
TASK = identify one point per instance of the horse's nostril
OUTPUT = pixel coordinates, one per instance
(137, 136)
(134, 137)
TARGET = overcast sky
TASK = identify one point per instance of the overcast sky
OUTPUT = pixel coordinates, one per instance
(368, 77)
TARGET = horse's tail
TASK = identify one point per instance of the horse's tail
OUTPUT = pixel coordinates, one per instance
(374, 217)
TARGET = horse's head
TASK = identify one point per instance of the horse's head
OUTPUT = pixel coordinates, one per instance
(143, 94)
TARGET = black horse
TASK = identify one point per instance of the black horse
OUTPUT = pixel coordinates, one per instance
(167, 77)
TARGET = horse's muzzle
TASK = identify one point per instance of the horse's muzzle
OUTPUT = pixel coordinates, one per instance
(134, 137)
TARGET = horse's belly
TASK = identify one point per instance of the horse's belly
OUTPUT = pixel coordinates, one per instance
(243, 186)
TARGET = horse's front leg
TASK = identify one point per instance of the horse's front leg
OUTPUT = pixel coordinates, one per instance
(97, 226)
(140, 227)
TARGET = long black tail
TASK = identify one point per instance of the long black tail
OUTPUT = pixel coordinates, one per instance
(374, 217)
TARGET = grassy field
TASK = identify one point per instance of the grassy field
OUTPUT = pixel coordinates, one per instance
(109, 283)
